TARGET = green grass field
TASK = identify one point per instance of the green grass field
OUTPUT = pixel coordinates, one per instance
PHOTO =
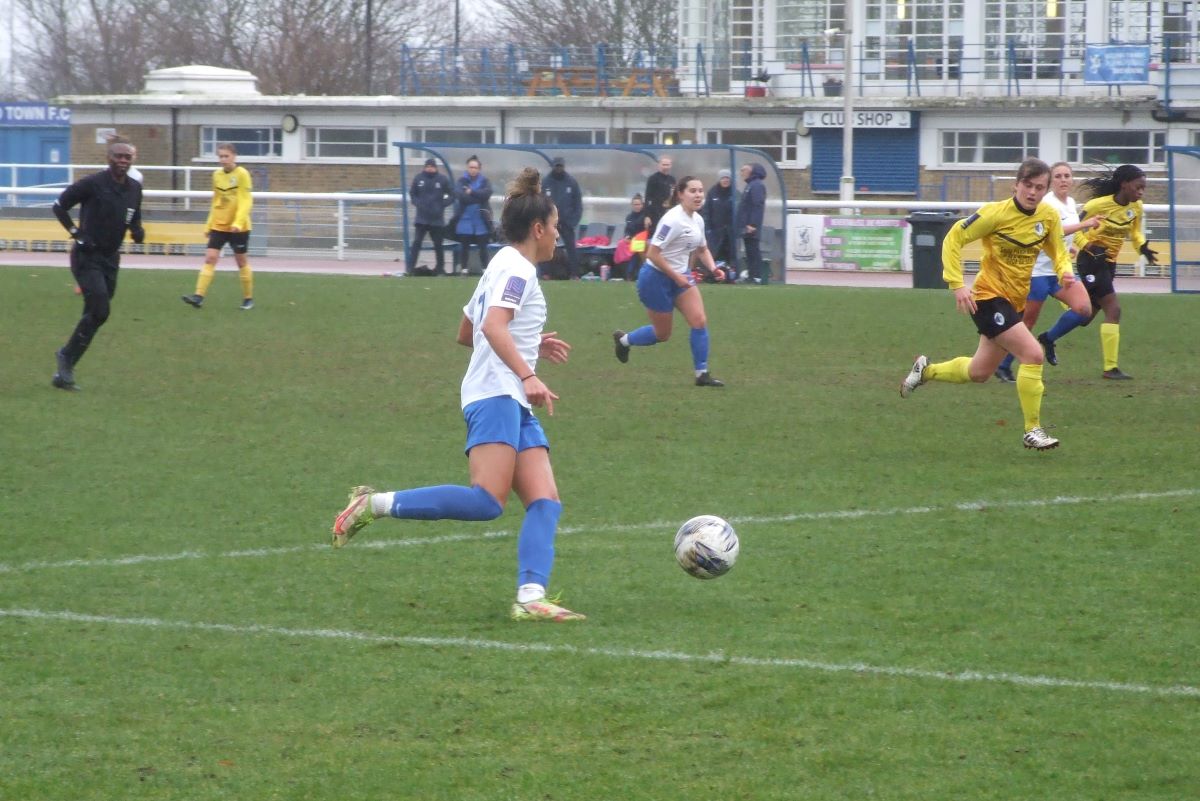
(922, 608)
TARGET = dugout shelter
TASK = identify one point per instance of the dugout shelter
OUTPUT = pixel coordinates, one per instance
(608, 176)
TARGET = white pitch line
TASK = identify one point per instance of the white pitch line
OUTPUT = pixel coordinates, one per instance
(861, 668)
(661, 525)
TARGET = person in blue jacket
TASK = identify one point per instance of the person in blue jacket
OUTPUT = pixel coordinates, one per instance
(472, 192)
(431, 193)
(750, 210)
(563, 189)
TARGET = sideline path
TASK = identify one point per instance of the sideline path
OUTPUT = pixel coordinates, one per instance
(379, 266)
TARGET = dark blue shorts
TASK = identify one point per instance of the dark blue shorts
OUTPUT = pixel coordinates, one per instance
(502, 419)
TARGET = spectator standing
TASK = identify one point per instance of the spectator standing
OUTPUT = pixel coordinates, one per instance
(472, 192)
(228, 224)
(660, 188)
(718, 219)
(110, 204)
(750, 211)
(431, 193)
(564, 191)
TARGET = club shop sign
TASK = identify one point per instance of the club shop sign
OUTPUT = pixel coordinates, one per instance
(863, 118)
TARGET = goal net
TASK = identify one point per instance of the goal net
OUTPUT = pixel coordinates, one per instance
(1183, 172)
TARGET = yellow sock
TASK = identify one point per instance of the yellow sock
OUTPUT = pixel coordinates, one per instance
(1110, 343)
(1029, 390)
(247, 281)
(954, 371)
(206, 276)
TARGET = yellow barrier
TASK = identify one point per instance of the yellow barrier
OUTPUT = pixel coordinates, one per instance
(47, 236)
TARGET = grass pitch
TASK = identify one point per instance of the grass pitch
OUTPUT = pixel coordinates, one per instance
(922, 608)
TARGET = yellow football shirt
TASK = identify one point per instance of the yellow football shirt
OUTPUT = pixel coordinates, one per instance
(1116, 223)
(1012, 238)
(231, 200)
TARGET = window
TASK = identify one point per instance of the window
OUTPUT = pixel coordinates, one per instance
(1029, 39)
(988, 147)
(654, 137)
(345, 143)
(539, 136)
(250, 142)
(780, 145)
(454, 136)
(1116, 147)
(799, 22)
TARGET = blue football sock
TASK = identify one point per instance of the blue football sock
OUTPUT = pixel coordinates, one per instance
(1007, 363)
(1065, 324)
(643, 336)
(535, 544)
(446, 502)
(699, 341)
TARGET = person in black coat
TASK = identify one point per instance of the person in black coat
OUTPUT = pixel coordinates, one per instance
(110, 204)
(718, 218)
(660, 187)
(563, 189)
(431, 193)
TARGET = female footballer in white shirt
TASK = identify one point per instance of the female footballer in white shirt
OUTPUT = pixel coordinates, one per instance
(506, 447)
(665, 281)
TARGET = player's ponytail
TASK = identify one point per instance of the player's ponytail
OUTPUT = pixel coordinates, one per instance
(524, 204)
(1109, 181)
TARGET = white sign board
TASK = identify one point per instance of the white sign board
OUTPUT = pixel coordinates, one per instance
(863, 118)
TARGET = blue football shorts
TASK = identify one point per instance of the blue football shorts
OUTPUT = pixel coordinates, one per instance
(656, 291)
(1043, 286)
(502, 419)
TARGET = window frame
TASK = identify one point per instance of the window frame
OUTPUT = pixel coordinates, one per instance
(312, 143)
(1077, 151)
(789, 144)
(1029, 148)
(211, 135)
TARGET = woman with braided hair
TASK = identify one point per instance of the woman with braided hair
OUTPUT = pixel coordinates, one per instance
(1117, 202)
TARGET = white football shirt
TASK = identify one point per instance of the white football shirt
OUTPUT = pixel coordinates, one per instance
(509, 281)
(677, 235)
(1069, 214)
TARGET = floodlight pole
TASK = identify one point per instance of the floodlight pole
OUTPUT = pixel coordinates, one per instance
(846, 189)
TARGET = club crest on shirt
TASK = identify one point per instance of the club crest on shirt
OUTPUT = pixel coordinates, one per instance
(513, 290)
(1039, 229)
(1129, 214)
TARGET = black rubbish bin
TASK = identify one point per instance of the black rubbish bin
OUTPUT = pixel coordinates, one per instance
(929, 229)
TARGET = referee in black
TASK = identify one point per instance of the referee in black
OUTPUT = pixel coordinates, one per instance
(110, 202)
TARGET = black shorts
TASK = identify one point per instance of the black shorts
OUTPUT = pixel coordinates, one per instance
(238, 241)
(994, 316)
(1097, 273)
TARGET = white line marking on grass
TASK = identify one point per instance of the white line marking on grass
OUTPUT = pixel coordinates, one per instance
(663, 525)
(1179, 690)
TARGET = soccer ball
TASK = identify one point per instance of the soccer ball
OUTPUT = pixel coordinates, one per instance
(706, 547)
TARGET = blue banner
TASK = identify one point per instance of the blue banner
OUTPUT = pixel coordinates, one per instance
(1111, 64)
(14, 113)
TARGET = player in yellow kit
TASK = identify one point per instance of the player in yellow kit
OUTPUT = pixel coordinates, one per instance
(228, 223)
(1013, 231)
(1117, 201)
